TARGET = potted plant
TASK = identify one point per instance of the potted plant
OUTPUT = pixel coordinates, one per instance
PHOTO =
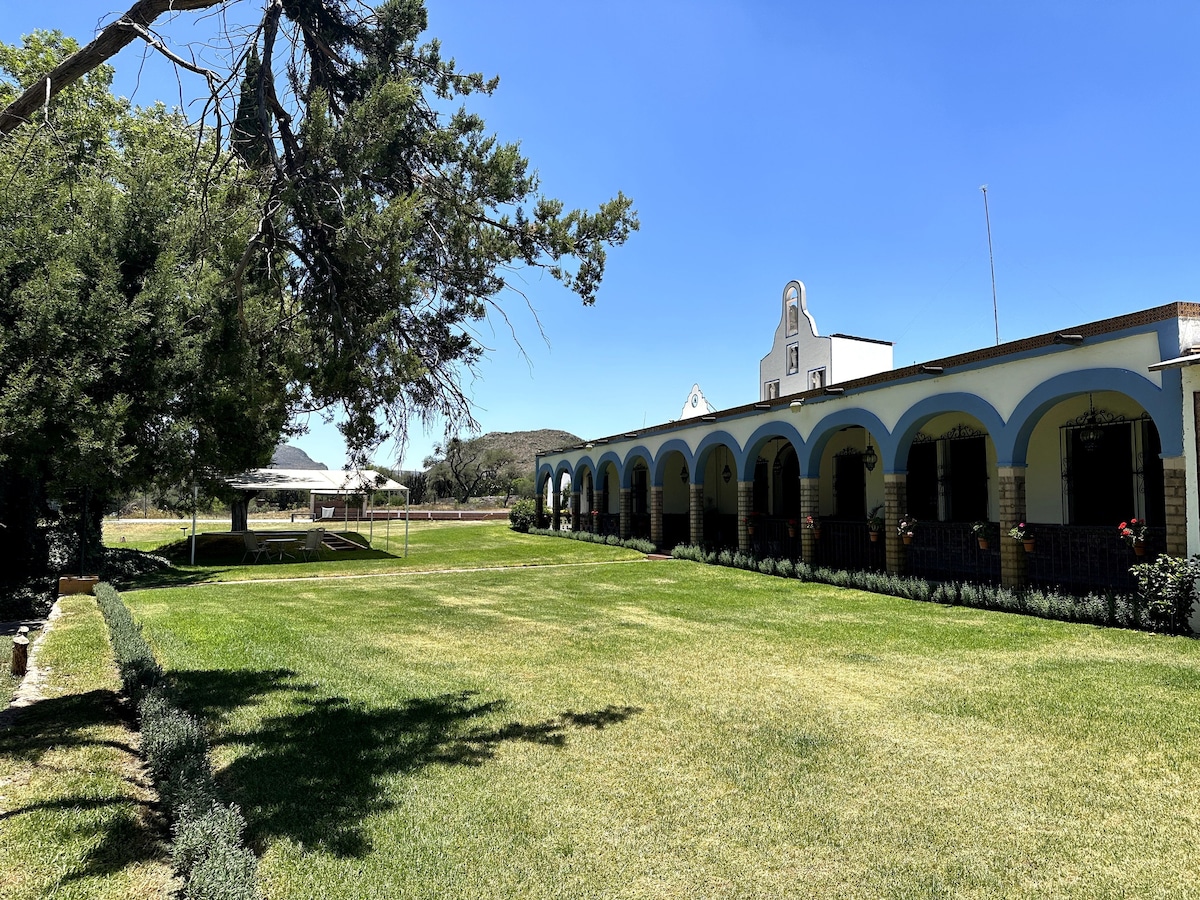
(984, 532)
(749, 522)
(906, 527)
(1133, 533)
(792, 524)
(1024, 534)
(813, 522)
(875, 522)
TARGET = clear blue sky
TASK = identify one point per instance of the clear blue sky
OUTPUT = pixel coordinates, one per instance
(843, 144)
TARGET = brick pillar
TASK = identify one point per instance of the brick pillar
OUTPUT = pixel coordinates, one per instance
(745, 505)
(895, 506)
(540, 507)
(556, 507)
(656, 517)
(626, 513)
(696, 514)
(1011, 480)
(1175, 491)
(810, 505)
(574, 510)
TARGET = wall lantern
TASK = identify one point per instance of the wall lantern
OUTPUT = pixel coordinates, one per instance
(870, 457)
(726, 474)
(683, 474)
(1091, 433)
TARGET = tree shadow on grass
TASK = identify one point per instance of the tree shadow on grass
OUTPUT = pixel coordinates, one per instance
(314, 773)
(132, 832)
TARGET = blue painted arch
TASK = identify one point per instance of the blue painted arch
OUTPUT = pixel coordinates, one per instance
(764, 433)
(631, 457)
(658, 471)
(915, 417)
(823, 432)
(704, 449)
(1163, 406)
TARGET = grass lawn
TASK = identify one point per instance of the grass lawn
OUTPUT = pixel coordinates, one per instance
(668, 730)
(76, 819)
(431, 546)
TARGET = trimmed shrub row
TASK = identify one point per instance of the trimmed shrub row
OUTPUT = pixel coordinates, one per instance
(208, 850)
(639, 544)
(1166, 597)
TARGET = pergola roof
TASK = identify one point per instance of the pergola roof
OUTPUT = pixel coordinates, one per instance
(320, 481)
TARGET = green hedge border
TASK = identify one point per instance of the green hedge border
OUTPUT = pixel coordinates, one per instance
(208, 850)
(1167, 592)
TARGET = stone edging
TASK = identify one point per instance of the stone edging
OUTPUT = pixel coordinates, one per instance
(29, 691)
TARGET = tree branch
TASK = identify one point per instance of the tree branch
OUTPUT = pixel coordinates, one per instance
(111, 40)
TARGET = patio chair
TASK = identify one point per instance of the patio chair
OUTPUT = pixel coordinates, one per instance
(312, 543)
(254, 547)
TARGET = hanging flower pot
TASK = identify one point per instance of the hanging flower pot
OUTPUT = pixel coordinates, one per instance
(1028, 546)
(791, 531)
(750, 530)
(983, 543)
(874, 536)
(1139, 548)
(816, 534)
(907, 538)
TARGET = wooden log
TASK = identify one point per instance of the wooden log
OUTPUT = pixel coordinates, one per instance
(20, 654)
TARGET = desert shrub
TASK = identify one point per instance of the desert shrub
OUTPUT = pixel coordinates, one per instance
(725, 558)
(210, 856)
(176, 752)
(944, 593)
(969, 595)
(1167, 590)
(784, 568)
(209, 849)
(523, 515)
(767, 566)
(138, 668)
(640, 544)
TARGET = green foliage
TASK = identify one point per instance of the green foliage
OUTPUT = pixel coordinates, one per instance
(1171, 581)
(472, 468)
(1167, 587)
(523, 515)
(166, 314)
(208, 851)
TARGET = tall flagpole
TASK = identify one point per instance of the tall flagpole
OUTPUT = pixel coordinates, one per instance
(992, 262)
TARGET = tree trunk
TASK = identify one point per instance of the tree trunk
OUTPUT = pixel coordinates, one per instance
(240, 511)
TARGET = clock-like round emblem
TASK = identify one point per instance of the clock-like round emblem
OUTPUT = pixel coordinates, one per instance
(695, 399)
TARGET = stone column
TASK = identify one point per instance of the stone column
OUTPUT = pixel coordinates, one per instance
(696, 514)
(895, 506)
(810, 505)
(1011, 481)
(556, 507)
(1175, 497)
(574, 510)
(626, 513)
(540, 507)
(656, 517)
(745, 505)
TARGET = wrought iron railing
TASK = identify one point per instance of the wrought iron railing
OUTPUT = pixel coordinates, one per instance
(774, 537)
(1082, 559)
(946, 551)
(848, 545)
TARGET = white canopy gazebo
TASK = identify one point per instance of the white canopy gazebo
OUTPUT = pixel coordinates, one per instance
(326, 482)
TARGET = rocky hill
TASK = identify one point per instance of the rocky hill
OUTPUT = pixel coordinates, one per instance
(525, 444)
(289, 457)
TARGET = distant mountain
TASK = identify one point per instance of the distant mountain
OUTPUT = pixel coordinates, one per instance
(289, 457)
(525, 444)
